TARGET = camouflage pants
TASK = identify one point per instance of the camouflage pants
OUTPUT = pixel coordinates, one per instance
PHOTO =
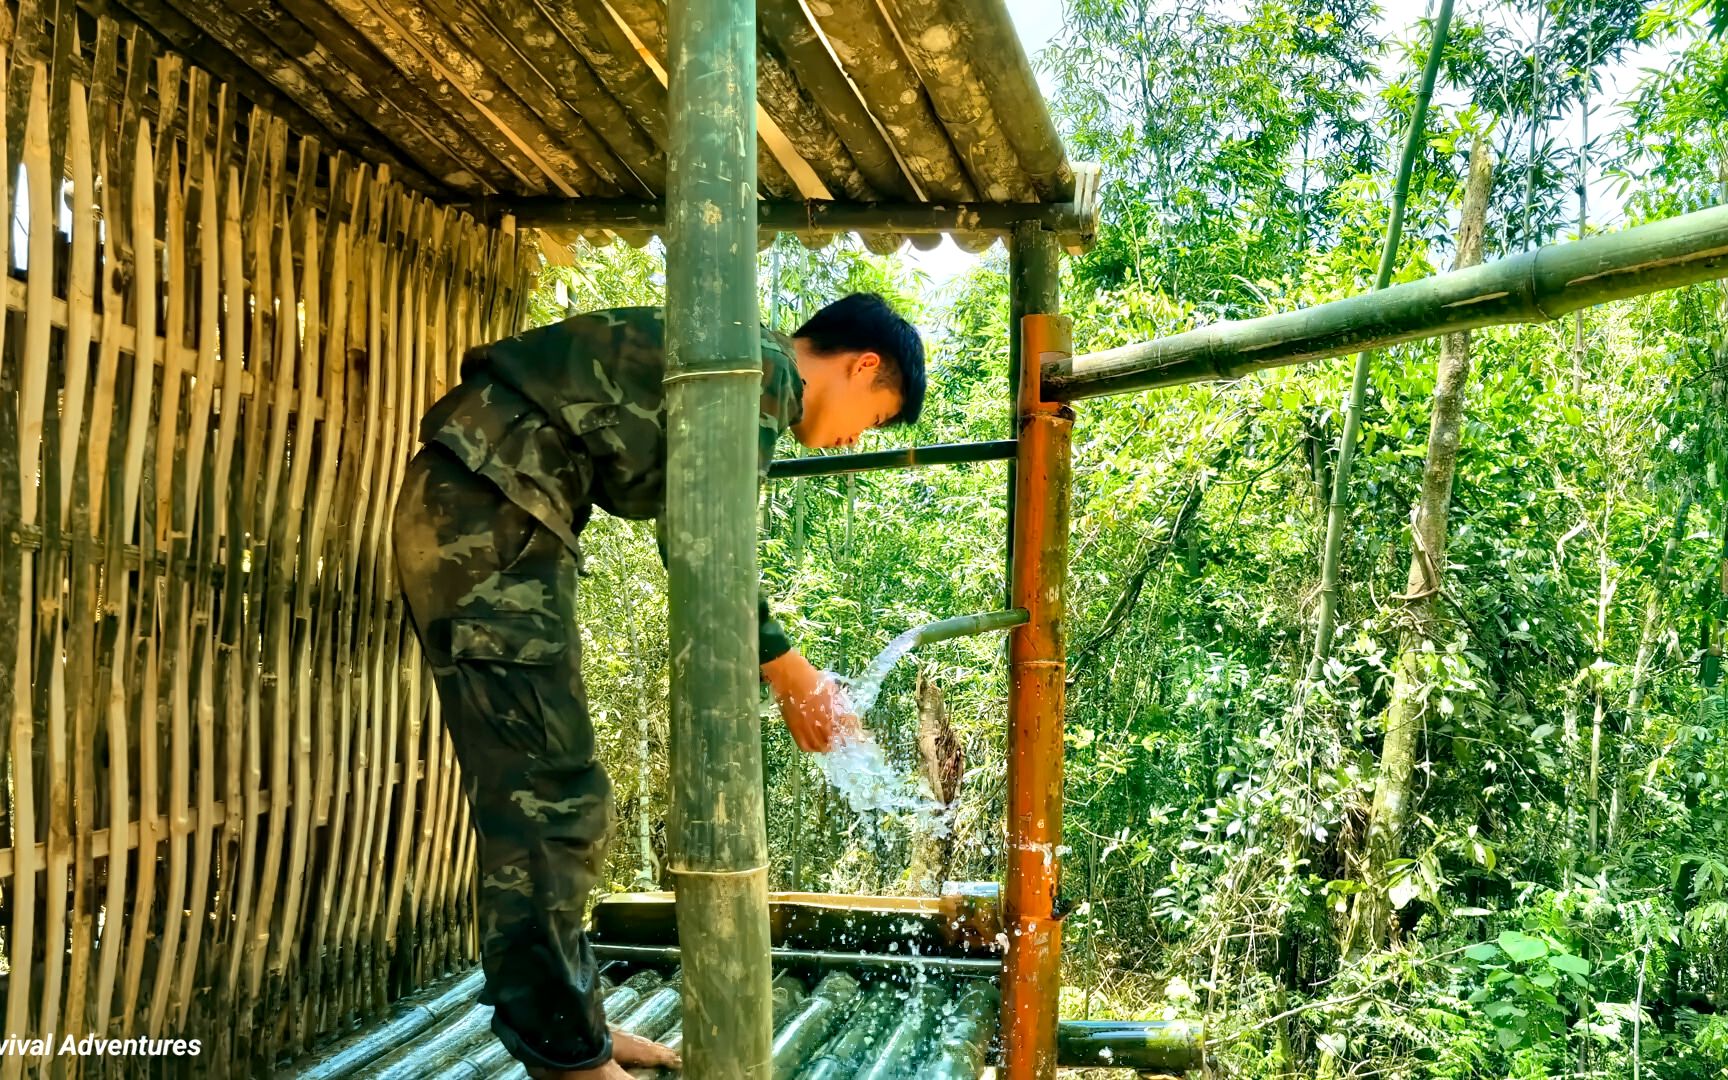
(492, 594)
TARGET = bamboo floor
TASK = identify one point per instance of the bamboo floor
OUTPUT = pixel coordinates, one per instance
(842, 1024)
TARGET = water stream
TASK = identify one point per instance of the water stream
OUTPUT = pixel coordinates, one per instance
(875, 788)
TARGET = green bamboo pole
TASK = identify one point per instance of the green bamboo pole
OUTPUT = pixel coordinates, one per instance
(816, 960)
(1327, 617)
(717, 825)
(1535, 287)
(912, 456)
(812, 216)
(1034, 288)
(1161, 1046)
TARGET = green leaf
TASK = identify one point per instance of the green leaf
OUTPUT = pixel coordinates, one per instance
(1523, 947)
(1577, 965)
(1484, 952)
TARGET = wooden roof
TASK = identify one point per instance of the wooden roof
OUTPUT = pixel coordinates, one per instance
(860, 101)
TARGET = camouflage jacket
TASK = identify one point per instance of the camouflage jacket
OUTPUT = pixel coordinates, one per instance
(572, 416)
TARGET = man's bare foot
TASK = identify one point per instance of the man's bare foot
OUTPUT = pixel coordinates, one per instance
(628, 1052)
(632, 1051)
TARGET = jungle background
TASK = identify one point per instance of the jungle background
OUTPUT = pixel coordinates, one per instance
(1553, 899)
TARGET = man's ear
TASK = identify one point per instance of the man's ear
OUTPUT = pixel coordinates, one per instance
(866, 363)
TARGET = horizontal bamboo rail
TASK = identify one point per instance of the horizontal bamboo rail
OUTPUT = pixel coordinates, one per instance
(815, 216)
(938, 454)
(218, 736)
(1536, 286)
(815, 958)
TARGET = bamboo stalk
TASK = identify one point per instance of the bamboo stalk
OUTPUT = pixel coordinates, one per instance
(718, 842)
(821, 216)
(143, 674)
(1165, 1046)
(298, 558)
(939, 454)
(266, 146)
(204, 529)
(1325, 618)
(1037, 652)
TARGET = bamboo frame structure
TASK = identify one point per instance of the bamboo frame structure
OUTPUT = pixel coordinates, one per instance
(213, 729)
(717, 828)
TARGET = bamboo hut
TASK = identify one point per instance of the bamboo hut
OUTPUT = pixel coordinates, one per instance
(252, 239)
(252, 242)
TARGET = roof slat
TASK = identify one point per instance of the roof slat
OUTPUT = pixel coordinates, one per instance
(539, 39)
(787, 30)
(277, 23)
(807, 129)
(1014, 96)
(549, 135)
(557, 107)
(935, 42)
(381, 78)
(438, 89)
(870, 54)
(251, 59)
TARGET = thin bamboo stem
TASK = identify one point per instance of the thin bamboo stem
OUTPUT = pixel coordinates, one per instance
(1325, 618)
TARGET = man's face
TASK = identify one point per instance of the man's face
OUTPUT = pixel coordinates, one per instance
(843, 398)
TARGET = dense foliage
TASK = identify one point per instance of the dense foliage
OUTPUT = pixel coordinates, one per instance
(1560, 900)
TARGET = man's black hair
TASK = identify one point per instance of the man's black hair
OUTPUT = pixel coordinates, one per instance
(864, 322)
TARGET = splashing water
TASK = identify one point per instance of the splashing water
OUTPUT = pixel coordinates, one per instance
(863, 691)
(873, 788)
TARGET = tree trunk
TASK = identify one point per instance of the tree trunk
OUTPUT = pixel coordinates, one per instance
(942, 764)
(1372, 908)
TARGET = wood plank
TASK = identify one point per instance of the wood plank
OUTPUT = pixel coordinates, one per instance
(173, 526)
(81, 653)
(205, 524)
(143, 672)
(32, 397)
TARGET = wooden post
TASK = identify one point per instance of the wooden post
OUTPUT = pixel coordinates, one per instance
(1037, 669)
(717, 829)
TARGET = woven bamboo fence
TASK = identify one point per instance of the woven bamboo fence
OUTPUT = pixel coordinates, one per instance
(231, 812)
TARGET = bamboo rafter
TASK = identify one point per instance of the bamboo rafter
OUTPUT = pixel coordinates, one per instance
(219, 336)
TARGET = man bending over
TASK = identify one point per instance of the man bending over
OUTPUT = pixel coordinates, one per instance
(544, 427)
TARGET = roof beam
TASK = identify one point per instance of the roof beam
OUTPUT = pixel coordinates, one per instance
(816, 216)
(1534, 287)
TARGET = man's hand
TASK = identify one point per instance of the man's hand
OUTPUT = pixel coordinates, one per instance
(812, 705)
(628, 1052)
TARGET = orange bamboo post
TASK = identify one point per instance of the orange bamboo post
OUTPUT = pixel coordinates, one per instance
(1037, 669)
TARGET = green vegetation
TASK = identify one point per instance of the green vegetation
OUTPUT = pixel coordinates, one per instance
(1551, 898)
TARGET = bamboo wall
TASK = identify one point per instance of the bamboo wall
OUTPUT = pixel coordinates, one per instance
(231, 812)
